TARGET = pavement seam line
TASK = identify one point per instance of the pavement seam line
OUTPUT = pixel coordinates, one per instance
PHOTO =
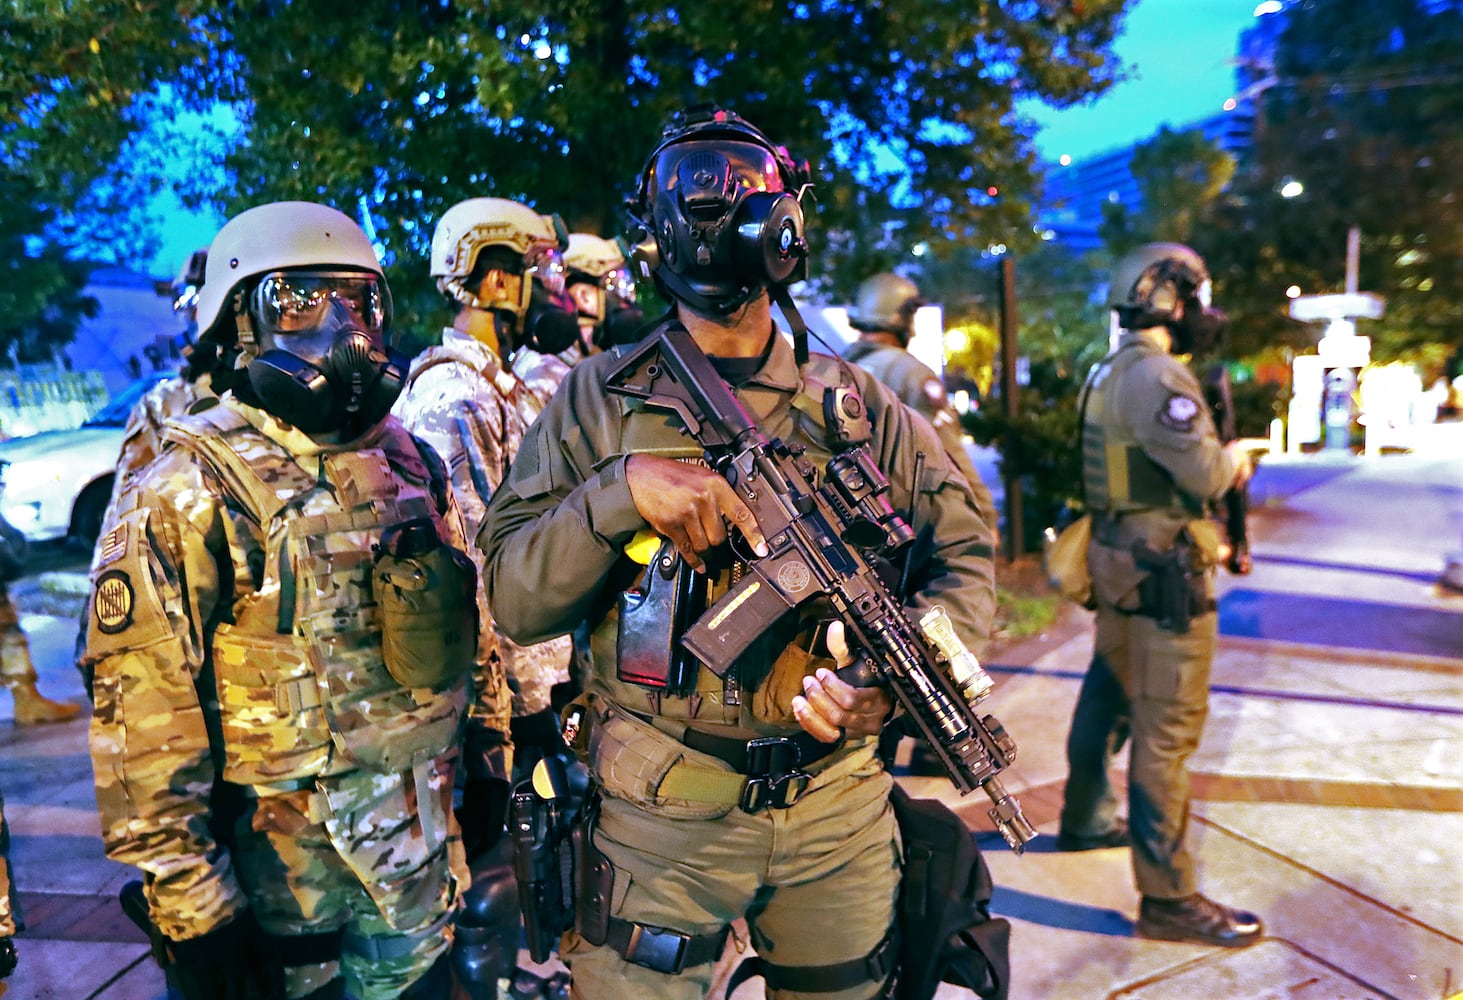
(1334, 883)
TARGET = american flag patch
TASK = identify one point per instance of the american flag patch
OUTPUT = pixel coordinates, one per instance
(113, 545)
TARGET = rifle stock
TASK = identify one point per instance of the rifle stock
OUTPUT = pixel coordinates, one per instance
(816, 537)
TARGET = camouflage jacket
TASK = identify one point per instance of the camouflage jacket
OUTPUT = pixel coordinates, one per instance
(542, 374)
(198, 679)
(558, 527)
(143, 437)
(460, 400)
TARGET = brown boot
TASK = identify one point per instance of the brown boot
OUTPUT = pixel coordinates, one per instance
(32, 707)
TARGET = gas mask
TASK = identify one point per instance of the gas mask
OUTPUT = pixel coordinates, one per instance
(551, 322)
(1200, 330)
(324, 365)
(720, 224)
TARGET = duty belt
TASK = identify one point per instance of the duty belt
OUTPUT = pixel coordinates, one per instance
(769, 770)
(661, 949)
(773, 764)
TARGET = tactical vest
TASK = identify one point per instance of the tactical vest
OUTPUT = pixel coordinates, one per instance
(1117, 475)
(303, 689)
(719, 701)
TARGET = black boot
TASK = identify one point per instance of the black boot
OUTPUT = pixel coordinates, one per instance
(1198, 918)
(7, 957)
(1118, 836)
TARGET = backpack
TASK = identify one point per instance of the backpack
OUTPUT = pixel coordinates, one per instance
(947, 933)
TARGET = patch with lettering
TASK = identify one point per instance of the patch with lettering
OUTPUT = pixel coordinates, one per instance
(1179, 413)
(113, 601)
(112, 546)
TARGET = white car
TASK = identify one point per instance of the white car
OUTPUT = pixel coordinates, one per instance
(57, 483)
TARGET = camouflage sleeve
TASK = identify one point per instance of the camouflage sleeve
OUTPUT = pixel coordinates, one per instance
(155, 581)
(1172, 424)
(954, 550)
(558, 523)
(487, 746)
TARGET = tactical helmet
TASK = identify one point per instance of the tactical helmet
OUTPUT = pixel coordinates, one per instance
(297, 303)
(885, 302)
(1152, 280)
(720, 207)
(277, 237)
(1167, 284)
(470, 226)
(590, 257)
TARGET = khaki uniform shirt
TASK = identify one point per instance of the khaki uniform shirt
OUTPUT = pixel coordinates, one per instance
(919, 388)
(1150, 442)
(557, 529)
(462, 401)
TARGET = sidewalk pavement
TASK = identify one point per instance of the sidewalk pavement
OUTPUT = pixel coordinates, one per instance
(1328, 791)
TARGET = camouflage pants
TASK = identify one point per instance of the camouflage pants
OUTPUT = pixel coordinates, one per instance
(298, 883)
(9, 916)
(817, 881)
(15, 661)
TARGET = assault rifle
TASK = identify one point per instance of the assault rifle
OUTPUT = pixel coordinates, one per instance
(821, 540)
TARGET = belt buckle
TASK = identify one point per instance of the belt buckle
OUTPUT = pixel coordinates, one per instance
(657, 949)
(773, 778)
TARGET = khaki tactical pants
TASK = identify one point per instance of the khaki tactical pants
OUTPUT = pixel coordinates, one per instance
(1153, 687)
(816, 881)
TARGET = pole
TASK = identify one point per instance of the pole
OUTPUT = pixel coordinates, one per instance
(1353, 258)
(1014, 528)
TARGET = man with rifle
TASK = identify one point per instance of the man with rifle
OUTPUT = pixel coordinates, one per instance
(673, 494)
(1152, 462)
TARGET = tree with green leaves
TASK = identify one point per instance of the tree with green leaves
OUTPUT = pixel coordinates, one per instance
(1365, 111)
(1181, 177)
(392, 113)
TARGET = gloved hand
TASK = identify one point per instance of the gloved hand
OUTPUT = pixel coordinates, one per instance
(483, 813)
(7, 957)
(230, 962)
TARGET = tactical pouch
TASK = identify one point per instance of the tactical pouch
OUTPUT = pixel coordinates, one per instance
(427, 592)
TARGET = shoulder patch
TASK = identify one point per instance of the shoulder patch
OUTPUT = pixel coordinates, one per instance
(112, 602)
(1179, 412)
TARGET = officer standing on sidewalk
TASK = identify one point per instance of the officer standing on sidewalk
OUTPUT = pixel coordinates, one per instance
(283, 631)
(488, 256)
(1152, 462)
(686, 847)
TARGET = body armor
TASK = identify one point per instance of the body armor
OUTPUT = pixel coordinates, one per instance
(1117, 475)
(303, 688)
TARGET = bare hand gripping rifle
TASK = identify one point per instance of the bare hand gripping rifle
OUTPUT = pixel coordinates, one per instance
(821, 540)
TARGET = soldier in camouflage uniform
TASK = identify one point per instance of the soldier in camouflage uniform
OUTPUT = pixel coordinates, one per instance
(1152, 461)
(143, 437)
(463, 401)
(17, 670)
(284, 635)
(10, 921)
(816, 874)
(603, 291)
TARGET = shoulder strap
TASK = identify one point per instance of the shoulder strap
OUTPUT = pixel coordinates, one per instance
(204, 435)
